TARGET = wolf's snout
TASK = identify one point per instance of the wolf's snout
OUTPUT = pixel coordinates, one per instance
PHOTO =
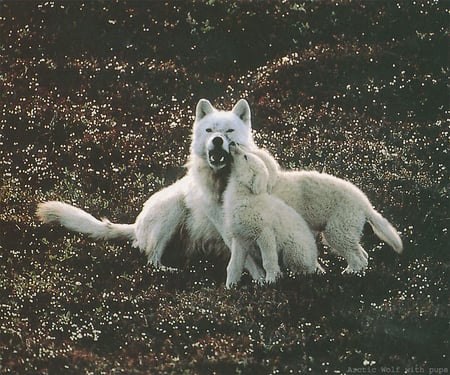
(218, 158)
(217, 141)
(218, 151)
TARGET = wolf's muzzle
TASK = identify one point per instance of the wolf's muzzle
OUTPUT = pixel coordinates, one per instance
(218, 157)
(218, 152)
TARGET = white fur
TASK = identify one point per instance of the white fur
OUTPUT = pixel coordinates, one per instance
(253, 216)
(339, 210)
(76, 219)
(191, 207)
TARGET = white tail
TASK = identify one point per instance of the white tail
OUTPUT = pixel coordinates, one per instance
(385, 231)
(77, 220)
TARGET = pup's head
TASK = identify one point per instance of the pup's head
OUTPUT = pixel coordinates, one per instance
(215, 130)
(249, 169)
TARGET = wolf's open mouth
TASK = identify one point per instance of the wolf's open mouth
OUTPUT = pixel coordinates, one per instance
(218, 158)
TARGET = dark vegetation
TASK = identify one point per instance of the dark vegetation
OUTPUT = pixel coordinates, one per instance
(97, 103)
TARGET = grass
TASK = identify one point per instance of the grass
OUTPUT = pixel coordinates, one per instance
(97, 105)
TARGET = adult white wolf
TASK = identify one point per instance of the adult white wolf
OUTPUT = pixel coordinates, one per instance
(190, 210)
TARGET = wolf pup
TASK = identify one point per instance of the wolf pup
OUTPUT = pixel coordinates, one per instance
(339, 210)
(252, 216)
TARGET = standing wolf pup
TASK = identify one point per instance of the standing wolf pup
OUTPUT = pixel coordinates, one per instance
(339, 210)
(189, 210)
(253, 216)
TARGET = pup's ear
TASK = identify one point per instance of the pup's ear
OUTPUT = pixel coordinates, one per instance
(242, 110)
(204, 107)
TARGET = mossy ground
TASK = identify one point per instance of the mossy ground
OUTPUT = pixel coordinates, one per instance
(97, 104)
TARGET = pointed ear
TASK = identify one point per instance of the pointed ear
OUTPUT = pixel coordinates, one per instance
(242, 110)
(204, 107)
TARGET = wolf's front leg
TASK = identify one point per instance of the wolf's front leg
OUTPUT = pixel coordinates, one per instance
(236, 264)
(256, 272)
(268, 246)
(251, 265)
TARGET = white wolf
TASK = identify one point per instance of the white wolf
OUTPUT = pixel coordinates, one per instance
(253, 216)
(339, 210)
(189, 212)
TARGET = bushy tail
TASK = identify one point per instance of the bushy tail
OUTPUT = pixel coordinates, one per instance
(77, 220)
(384, 230)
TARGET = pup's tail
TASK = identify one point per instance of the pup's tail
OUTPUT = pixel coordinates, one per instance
(77, 220)
(385, 231)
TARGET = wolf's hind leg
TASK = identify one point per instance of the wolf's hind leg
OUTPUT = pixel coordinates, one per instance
(342, 233)
(356, 257)
(358, 261)
(345, 241)
(155, 251)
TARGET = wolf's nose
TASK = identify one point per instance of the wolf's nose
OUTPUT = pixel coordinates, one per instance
(217, 141)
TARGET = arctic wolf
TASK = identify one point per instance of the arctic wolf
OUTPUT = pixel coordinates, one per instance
(339, 210)
(189, 212)
(253, 216)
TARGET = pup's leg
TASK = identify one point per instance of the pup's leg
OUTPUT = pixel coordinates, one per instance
(343, 238)
(299, 252)
(236, 264)
(256, 272)
(268, 246)
(358, 262)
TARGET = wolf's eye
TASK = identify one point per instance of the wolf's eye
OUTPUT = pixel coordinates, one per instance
(209, 130)
(230, 130)
(245, 157)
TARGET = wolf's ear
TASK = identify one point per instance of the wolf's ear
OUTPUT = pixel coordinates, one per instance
(242, 110)
(204, 107)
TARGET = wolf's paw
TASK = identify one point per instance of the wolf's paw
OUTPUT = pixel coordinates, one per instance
(354, 271)
(357, 263)
(320, 270)
(168, 269)
(272, 277)
(231, 283)
(233, 278)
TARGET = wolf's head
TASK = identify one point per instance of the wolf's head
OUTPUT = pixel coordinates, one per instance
(215, 130)
(249, 169)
